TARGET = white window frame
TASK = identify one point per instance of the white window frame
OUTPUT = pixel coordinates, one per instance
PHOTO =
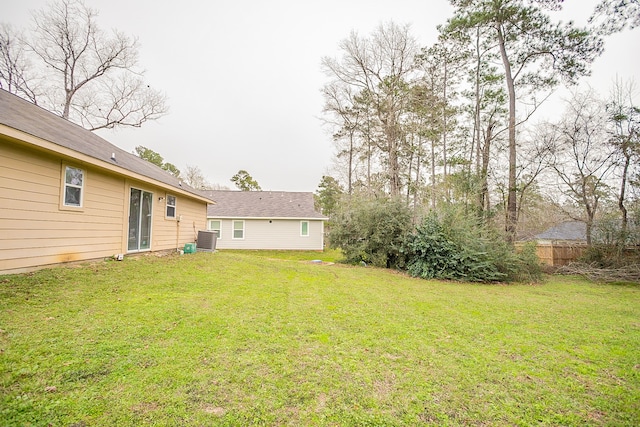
(302, 233)
(219, 230)
(66, 185)
(233, 229)
(169, 205)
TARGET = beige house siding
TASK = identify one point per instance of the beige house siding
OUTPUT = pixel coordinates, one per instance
(174, 233)
(282, 234)
(37, 230)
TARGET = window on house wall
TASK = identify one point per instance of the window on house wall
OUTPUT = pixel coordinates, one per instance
(304, 228)
(216, 225)
(238, 229)
(171, 206)
(73, 186)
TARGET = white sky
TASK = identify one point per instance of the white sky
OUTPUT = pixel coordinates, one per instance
(243, 77)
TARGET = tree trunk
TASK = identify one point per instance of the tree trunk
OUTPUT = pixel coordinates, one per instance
(433, 174)
(369, 154)
(409, 178)
(444, 129)
(394, 169)
(484, 172)
(350, 173)
(621, 196)
(480, 169)
(392, 146)
(416, 198)
(591, 213)
(512, 212)
(67, 105)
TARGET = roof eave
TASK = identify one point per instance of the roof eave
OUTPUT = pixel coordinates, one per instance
(41, 144)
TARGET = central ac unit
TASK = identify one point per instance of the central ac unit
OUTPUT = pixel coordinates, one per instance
(207, 240)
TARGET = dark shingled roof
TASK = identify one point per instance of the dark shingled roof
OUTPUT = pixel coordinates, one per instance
(22, 115)
(262, 204)
(569, 230)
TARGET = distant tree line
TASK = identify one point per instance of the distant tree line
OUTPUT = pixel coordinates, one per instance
(193, 175)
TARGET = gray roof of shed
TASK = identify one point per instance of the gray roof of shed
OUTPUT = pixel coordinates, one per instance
(24, 116)
(262, 204)
(569, 230)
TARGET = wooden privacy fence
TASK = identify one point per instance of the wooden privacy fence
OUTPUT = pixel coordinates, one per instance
(559, 253)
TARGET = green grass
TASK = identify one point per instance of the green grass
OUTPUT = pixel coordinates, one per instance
(269, 338)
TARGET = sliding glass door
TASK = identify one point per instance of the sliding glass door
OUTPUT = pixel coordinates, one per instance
(140, 204)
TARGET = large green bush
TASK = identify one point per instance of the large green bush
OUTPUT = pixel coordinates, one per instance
(371, 231)
(453, 245)
(449, 244)
(439, 252)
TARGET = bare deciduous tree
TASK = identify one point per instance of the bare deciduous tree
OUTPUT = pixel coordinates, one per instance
(346, 120)
(580, 156)
(379, 69)
(72, 68)
(624, 118)
(14, 65)
(194, 177)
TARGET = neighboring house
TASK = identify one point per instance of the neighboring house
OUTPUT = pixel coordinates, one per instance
(68, 195)
(265, 220)
(573, 232)
(561, 244)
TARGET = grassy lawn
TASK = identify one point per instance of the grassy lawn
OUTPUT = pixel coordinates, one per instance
(251, 338)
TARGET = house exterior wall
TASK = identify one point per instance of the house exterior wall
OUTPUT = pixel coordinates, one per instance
(280, 234)
(37, 230)
(169, 233)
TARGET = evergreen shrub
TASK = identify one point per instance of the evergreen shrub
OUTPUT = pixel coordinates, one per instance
(371, 231)
(455, 246)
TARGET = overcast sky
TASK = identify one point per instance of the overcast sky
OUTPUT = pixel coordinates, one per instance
(243, 78)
